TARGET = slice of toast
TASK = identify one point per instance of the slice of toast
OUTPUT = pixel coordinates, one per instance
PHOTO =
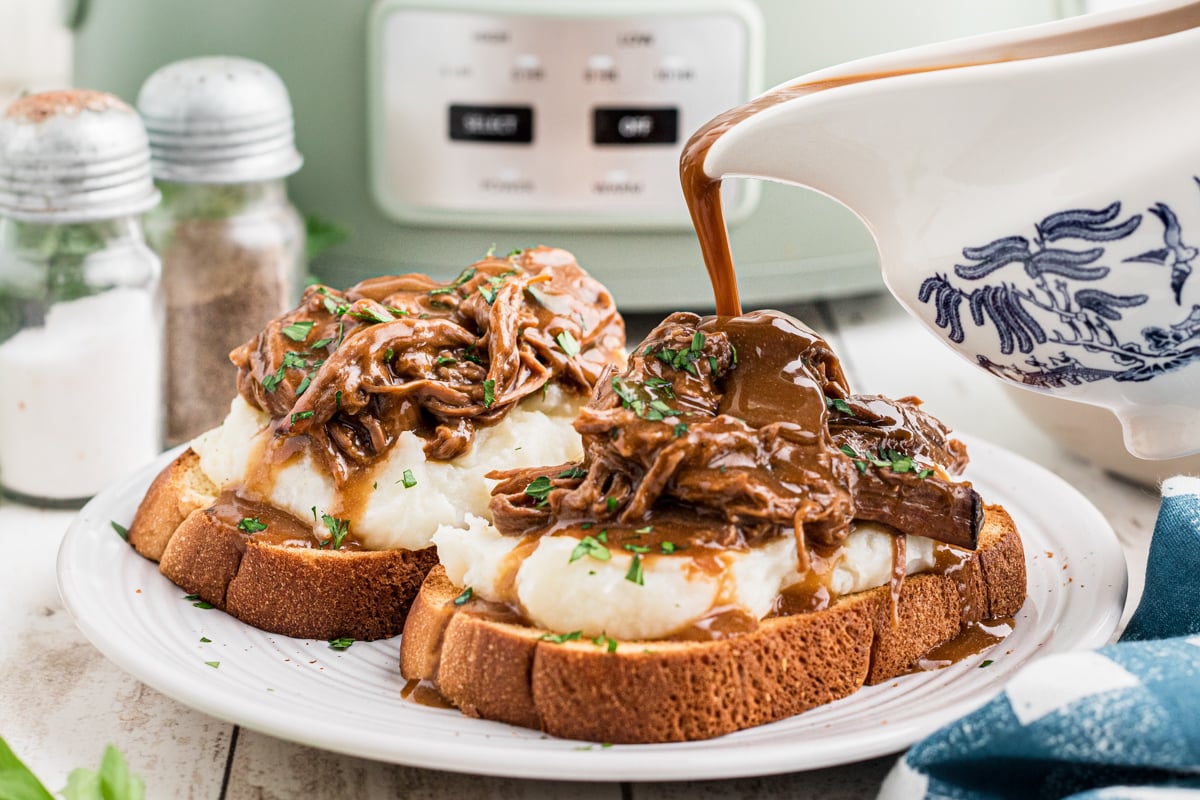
(667, 691)
(296, 591)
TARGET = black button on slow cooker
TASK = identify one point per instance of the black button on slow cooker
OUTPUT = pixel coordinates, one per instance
(635, 125)
(499, 124)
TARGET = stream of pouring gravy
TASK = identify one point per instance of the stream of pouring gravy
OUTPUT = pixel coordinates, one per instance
(703, 193)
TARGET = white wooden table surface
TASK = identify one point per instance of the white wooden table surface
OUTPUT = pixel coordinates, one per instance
(61, 701)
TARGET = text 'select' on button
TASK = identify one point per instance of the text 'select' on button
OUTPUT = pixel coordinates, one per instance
(500, 124)
(635, 125)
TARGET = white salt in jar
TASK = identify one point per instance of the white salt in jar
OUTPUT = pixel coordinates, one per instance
(80, 300)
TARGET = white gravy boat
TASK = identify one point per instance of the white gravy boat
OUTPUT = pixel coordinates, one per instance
(1035, 199)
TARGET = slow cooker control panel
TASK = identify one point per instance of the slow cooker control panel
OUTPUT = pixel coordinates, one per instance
(573, 117)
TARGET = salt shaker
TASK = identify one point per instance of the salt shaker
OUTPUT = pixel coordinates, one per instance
(232, 245)
(80, 301)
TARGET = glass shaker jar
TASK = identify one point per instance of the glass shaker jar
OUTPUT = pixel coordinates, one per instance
(80, 302)
(232, 245)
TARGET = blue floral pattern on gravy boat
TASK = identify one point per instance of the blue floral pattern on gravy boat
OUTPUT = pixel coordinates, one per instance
(1043, 297)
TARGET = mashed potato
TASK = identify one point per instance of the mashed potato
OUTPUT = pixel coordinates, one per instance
(595, 598)
(538, 431)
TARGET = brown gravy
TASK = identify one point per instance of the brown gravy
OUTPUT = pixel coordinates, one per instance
(974, 638)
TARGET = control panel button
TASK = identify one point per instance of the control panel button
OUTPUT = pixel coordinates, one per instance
(635, 125)
(498, 124)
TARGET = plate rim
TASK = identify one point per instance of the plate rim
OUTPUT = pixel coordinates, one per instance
(644, 762)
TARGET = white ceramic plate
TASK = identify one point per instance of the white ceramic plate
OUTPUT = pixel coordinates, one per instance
(350, 701)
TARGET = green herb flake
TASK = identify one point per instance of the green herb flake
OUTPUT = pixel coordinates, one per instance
(213, 664)
(986, 663)
(303, 385)
(341, 643)
(205, 640)
(489, 393)
(591, 547)
(516, 251)
(121, 530)
(251, 525)
(559, 638)
(197, 602)
(298, 331)
(924, 473)
(464, 597)
(338, 528)
(839, 405)
(319, 343)
(646, 529)
(697, 342)
(464, 276)
(603, 536)
(574, 472)
(611, 504)
(446, 360)
(680, 429)
(388, 354)
(407, 479)
(302, 415)
(634, 575)
(636, 548)
(712, 364)
(539, 489)
(605, 641)
(567, 343)
(667, 547)
(442, 290)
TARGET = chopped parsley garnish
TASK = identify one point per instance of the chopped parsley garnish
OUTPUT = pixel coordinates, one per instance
(697, 342)
(516, 251)
(667, 547)
(303, 384)
(442, 290)
(407, 479)
(464, 276)
(446, 360)
(636, 548)
(370, 313)
(464, 597)
(885, 457)
(839, 405)
(197, 602)
(338, 528)
(302, 415)
(319, 343)
(591, 547)
(602, 536)
(611, 504)
(213, 664)
(205, 640)
(603, 640)
(680, 429)
(986, 663)
(298, 331)
(634, 575)
(539, 489)
(341, 643)
(644, 399)
(388, 354)
(251, 525)
(489, 393)
(559, 638)
(568, 344)
(121, 530)
(574, 472)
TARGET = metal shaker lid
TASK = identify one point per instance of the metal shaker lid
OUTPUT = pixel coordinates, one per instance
(219, 120)
(73, 156)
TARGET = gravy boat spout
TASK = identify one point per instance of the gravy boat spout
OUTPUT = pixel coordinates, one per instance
(1034, 196)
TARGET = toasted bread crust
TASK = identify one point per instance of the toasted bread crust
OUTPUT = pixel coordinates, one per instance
(177, 491)
(665, 691)
(295, 591)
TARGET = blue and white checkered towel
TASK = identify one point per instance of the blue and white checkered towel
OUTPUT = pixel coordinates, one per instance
(1119, 722)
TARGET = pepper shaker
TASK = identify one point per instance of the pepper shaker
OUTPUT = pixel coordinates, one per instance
(80, 302)
(232, 245)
